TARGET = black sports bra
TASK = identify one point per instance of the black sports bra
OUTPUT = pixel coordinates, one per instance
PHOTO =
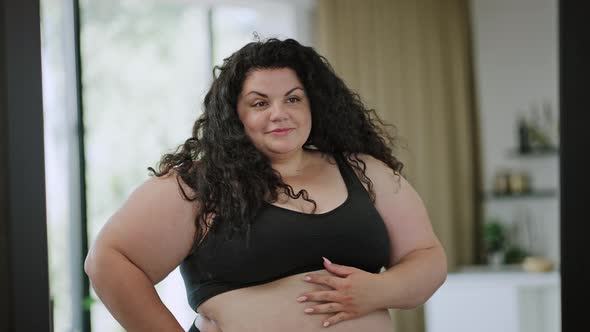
(284, 242)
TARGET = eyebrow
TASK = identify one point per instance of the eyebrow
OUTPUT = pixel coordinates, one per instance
(266, 96)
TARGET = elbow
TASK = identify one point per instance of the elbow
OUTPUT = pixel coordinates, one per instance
(439, 277)
(94, 263)
(91, 270)
(99, 266)
(90, 264)
(440, 281)
(444, 268)
(420, 301)
(416, 303)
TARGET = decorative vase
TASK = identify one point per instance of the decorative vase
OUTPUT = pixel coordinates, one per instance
(496, 259)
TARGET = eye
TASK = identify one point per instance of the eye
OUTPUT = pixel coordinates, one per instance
(259, 104)
(293, 99)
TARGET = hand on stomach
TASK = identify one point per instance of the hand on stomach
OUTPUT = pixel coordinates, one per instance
(273, 307)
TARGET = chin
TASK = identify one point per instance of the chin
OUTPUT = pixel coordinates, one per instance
(283, 147)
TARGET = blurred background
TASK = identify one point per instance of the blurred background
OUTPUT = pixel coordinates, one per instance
(471, 86)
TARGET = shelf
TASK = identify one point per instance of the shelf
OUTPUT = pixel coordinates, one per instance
(552, 151)
(535, 194)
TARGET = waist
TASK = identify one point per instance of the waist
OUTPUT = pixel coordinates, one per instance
(273, 306)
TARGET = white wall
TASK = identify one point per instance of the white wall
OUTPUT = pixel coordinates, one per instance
(516, 64)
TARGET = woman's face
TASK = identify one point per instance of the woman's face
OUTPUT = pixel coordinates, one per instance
(274, 110)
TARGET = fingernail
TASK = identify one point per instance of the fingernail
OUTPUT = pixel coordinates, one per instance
(307, 278)
(326, 324)
(308, 310)
(301, 298)
(327, 260)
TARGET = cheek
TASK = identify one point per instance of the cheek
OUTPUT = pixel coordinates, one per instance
(305, 118)
(254, 123)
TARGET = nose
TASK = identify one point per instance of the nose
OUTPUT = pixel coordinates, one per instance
(278, 113)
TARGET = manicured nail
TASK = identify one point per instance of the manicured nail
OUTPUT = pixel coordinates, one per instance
(327, 260)
(301, 298)
(307, 278)
(308, 310)
(326, 324)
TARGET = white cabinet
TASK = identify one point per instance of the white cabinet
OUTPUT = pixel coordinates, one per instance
(496, 301)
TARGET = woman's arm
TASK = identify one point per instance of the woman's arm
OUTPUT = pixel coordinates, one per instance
(411, 282)
(140, 245)
(418, 265)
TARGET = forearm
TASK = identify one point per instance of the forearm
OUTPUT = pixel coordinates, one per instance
(412, 281)
(129, 294)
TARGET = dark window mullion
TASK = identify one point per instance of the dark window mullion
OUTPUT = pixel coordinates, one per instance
(83, 310)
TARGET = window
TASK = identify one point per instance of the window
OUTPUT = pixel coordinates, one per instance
(61, 165)
(146, 66)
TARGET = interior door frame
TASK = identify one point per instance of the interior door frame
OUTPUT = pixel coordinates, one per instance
(574, 71)
(24, 281)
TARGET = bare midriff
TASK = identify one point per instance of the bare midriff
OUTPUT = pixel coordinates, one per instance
(273, 307)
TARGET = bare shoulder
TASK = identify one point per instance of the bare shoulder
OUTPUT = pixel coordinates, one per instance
(154, 228)
(390, 186)
(380, 174)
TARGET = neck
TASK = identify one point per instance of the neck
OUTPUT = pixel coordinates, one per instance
(291, 164)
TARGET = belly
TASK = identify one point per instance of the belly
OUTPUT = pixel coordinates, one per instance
(273, 307)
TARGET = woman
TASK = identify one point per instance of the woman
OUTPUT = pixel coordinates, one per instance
(286, 173)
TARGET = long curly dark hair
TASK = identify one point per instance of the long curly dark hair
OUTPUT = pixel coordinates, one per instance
(229, 177)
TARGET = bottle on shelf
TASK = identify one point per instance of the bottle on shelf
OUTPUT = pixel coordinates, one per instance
(501, 183)
(508, 182)
(538, 137)
(519, 183)
(524, 142)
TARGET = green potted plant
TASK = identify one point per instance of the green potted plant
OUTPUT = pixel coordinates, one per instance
(494, 238)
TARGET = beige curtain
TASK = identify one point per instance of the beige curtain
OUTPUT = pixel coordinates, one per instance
(410, 60)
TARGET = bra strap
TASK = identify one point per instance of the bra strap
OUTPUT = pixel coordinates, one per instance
(347, 172)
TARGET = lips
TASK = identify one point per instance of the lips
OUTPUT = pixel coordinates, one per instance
(279, 130)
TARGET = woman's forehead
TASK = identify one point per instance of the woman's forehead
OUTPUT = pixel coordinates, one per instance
(276, 79)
